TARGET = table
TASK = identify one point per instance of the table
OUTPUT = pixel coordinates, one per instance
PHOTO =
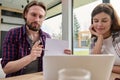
(32, 76)
(38, 76)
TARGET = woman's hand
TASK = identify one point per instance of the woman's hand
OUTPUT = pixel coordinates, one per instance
(116, 69)
(98, 45)
(92, 30)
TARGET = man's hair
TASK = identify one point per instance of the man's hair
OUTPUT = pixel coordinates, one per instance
(33, 3)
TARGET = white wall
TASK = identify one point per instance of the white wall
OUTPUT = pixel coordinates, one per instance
(7, 27)
(67, 22)
(13, 20)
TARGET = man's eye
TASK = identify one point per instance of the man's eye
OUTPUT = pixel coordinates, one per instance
(40, 16)
(33, 15)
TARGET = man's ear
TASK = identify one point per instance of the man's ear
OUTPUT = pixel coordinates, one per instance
(25, 15)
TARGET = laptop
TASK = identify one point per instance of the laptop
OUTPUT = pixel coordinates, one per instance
(100, 66)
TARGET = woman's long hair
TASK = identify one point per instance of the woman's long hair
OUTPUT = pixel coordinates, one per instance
(108, 9)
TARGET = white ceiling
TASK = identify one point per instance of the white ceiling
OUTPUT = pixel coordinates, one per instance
(17, 4)
(57, 9)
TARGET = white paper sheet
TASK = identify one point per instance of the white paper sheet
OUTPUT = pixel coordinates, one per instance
(55, 47)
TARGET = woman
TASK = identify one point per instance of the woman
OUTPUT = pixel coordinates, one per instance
(105, 30)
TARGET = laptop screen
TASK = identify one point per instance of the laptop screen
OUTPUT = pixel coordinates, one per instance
(100, 66)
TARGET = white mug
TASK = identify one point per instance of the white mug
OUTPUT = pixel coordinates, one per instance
(74, 74)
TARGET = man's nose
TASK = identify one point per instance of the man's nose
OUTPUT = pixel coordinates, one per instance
(37, 19)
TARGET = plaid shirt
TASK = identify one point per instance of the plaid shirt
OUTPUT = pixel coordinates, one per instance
(16, 46)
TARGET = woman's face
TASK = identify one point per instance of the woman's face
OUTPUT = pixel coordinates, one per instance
(102, 23)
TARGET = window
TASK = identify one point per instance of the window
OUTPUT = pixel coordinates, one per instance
(82, 20)
(53, 27)
(115, 4)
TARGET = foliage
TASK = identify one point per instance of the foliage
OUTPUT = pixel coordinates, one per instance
(76, 27)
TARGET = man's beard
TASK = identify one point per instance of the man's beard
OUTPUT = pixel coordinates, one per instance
(33, 28)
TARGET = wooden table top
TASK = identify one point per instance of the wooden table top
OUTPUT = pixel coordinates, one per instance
(39, 76)
(32, 76)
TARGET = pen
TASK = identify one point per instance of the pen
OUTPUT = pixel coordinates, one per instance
(50, 50)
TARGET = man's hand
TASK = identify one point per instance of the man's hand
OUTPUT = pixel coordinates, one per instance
(68, 51)
(36, 50)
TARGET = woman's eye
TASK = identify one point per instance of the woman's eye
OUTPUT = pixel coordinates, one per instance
(104, 21)
(95, 21)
